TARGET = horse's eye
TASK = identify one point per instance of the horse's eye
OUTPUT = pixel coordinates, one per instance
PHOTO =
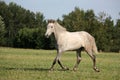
(51, 26)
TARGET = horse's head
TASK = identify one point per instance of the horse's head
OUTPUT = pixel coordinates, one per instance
(50, 28)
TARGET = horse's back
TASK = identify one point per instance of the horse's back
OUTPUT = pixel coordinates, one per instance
(86, 35)
(81, 37)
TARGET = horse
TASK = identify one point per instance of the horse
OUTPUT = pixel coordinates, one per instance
(71, 41)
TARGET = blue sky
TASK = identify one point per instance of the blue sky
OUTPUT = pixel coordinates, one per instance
(54, 9)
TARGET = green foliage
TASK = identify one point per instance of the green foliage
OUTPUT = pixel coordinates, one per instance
(26, 29)
(24, 64)
(116, 37)
(26, 37)
(2, 32)
(23, 28)
(30, 38)
(74, 20)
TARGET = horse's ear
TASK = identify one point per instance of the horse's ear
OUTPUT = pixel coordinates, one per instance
(51, 21)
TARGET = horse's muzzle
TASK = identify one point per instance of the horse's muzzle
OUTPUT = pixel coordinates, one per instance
(46, 35)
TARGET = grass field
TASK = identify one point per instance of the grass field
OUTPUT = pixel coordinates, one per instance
(29, 64)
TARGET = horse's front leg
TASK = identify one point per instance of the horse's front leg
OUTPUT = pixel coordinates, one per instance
(54, 62)
(64, 68)
(57, 59)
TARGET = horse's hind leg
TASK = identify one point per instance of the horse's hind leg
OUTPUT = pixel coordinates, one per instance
(93, 57)
(78, 54)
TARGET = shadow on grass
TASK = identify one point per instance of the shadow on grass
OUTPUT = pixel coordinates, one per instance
(32, 69)
(26, 69)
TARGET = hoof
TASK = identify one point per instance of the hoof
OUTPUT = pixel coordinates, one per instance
(74, 69)
(97, 70)
(51, 69)
(65, 68)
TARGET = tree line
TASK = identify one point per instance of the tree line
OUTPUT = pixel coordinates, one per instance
(23, 28)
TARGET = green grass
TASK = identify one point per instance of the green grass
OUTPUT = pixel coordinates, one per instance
(29, 64)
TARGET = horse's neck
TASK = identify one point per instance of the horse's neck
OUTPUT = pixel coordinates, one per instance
(59, 27)
(58, 31)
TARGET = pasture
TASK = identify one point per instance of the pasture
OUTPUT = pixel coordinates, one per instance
(30, 64)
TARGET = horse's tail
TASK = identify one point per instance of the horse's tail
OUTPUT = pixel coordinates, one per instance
(95, 48)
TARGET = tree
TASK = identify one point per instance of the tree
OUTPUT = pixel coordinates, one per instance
(2, 32)
(74, 21)
(24, 26)
(115, 47)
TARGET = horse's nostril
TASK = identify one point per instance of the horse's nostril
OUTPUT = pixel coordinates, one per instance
(47, 35)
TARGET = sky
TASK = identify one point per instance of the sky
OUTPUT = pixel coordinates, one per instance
(54, 9)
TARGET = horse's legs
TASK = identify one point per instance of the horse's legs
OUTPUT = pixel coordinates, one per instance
(78, 54)
(55, 60)
(58, 59)
(93, 57)
(64, 68)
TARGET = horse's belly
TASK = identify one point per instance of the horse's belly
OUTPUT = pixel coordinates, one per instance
(73, 46)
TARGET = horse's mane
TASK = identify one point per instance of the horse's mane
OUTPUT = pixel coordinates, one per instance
(57, 25)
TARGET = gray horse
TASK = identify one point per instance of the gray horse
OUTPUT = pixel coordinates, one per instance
(71, 41)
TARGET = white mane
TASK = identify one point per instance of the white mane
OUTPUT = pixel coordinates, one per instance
(59, 27)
